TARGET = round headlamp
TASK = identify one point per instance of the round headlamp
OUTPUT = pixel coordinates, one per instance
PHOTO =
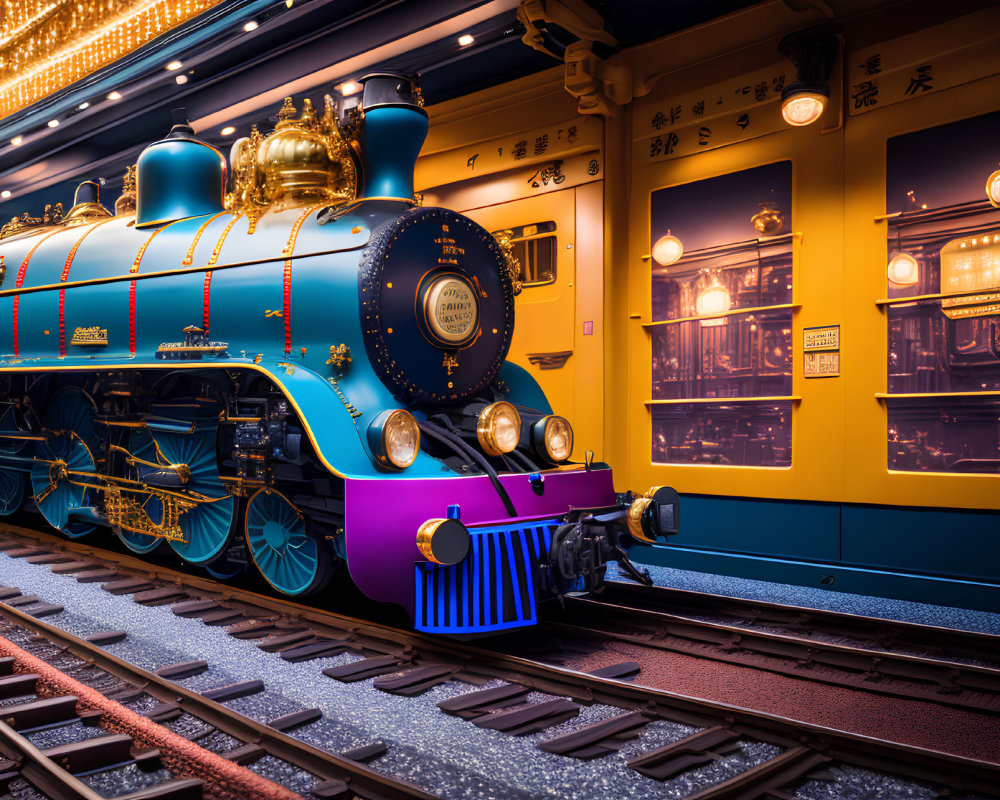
(498, 428)
(394, 438)
(552, 437)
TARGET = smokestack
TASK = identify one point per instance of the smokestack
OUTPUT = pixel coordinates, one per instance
(391, 134)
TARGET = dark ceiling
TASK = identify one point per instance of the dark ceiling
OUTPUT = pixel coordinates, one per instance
(314, 43)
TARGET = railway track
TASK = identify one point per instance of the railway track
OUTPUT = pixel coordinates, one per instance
(950, 667)
(517, 695)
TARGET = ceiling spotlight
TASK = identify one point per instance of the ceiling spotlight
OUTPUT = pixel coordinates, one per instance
(83, 106)
(17, 141)
(181, 79)
(5, 194)
(347, 88)
(251, 26)
(993, 189)
(667, 250)
(903, 269)
(229, 130)
(53, 123)
(174, 65)
(466, 39)
(115, 96)
(813, 52)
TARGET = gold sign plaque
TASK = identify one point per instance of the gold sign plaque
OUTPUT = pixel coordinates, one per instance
(95, 336)
(825, 338)
(821, 356)
(451, 310)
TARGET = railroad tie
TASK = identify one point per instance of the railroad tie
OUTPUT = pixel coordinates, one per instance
(273, 644)
(321, 648)
(415, 681)
(98, 576)
(363, 669)
(129, 586)
(50, 558)
(183, 670)
(474, 704)
(161, 596)
(234, 691)
(598, 739)
(624, 670)
(295, 720)
(530, 717)
(195, 608)
(105, 638)
(691, 751)
(8, 591)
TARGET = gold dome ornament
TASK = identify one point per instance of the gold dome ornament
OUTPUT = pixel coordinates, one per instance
(769, 220)
(303, 161)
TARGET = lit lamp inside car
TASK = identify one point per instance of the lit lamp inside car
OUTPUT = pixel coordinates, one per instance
(552, 437)
(667, 250)
(903, 270)
(394, 438)
(713, 299)
(498, 428)
(993, 189)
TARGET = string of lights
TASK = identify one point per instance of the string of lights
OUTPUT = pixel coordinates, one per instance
(56, 44)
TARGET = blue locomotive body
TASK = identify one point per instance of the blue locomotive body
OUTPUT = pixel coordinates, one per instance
(326, 373)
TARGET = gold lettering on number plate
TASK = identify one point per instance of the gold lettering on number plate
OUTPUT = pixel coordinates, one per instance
(90, 337)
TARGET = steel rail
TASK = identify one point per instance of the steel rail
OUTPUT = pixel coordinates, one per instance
(845, 665)
(41, 771)
(957, 772)
(911, 635)
(362, 780)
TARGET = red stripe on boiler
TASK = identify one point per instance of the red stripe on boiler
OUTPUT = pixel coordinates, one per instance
(131, 319)
(208, 300)
(286, 278)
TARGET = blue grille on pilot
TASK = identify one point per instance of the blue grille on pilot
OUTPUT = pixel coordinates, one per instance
(492, 589)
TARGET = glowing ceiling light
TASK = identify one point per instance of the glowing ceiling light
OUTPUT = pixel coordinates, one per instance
(174, 65)
(181, 79)
(53, 123)
(5, 194)
(347, 88)
(229, 130)
(993, 188)
(903, 269)
(713, 299)
(113, 96)
(17, 141)
(803, 108)
(251, 26)
(466, 39)
(813, 52)
(83, 106)
(667, 250)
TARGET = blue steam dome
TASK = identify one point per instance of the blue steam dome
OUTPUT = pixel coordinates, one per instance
(178, 177)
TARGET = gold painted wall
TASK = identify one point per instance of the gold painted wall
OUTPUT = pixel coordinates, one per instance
(838, 193)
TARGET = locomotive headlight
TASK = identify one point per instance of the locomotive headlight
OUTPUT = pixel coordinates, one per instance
(498, 428)
(394, 438)
(552, 437)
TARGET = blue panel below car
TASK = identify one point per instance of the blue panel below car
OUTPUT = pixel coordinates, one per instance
(763, 527)
(941, 541)
(943, 556)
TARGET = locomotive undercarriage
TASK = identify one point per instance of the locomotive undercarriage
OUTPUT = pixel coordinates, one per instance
(216, 465)
(212, 463)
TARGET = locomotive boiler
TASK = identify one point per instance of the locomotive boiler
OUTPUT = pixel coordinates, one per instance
(303, 373)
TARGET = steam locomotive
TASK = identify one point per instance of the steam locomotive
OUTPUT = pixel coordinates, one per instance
(303, 373)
